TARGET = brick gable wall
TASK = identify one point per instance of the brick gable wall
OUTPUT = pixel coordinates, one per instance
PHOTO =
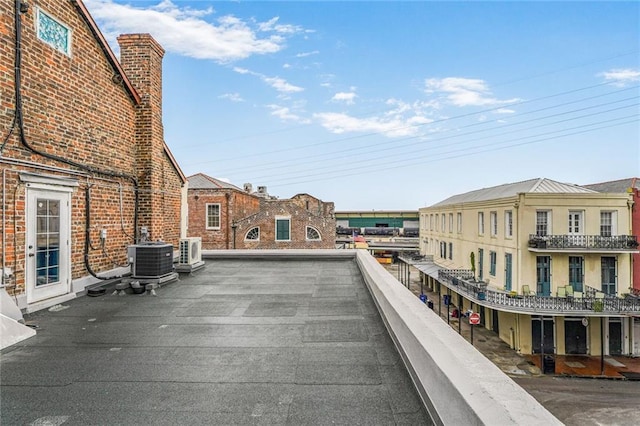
(247, 211)
(74, 108)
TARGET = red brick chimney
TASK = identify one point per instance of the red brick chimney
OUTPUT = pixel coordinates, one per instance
(141, 59)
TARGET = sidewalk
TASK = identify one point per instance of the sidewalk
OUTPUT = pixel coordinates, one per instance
(515, 364)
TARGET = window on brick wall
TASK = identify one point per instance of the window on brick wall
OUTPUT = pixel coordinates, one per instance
(283, 229)
(313, 234)
(213, 216)
(253, 234)
(53, 32)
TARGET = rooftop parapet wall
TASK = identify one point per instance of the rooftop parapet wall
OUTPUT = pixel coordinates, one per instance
(458, 384)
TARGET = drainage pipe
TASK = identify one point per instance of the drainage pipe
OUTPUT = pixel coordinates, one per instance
(4, 212)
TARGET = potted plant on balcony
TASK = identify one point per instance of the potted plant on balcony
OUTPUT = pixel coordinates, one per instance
(472, 259)
(597, 306)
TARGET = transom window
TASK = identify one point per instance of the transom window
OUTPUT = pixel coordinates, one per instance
(253, 234)
(283, 229)
(213, 216)
(313, 233)
(53, 32)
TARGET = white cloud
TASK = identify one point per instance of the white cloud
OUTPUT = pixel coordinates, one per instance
(621, 77)
(273, 25)
(184, 31)
(345, 97)
(233, 97)
(464, 91)
(305, 54)
(391, 127)
(285, 113)
(280, 84)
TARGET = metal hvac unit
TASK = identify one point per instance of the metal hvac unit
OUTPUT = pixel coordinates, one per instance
(190, 251)
(150, 260)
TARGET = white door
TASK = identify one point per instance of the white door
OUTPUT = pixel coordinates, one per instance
(48, 251)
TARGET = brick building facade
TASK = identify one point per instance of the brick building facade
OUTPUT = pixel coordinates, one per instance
(83, 160)
(228, 217)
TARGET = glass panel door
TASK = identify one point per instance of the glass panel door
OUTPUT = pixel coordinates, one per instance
(47, 244)
(576, 273)
(608, 266)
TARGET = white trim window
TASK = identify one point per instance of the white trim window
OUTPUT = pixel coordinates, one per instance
(313, 234)
(493, 225)
(543, 223)
(480, 223)
(450, 222)
(508, 224)
(608, 223)
(459, 223)
(283, 228)
(53, 32)
(213, 216)
(253, 234)
(443, 224)
(575, 222)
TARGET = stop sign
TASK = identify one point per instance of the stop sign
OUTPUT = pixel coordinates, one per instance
(474, 318)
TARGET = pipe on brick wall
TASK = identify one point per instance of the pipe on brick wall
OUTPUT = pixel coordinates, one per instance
(4, 210)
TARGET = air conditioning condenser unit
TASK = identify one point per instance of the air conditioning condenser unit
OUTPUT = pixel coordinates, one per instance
(190, 257)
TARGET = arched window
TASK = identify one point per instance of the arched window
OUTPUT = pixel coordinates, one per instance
(253, 234)
(313, 234)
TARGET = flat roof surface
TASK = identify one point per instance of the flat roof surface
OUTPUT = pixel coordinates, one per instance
(285, 342)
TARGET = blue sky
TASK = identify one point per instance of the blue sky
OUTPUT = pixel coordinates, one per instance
(385, 105)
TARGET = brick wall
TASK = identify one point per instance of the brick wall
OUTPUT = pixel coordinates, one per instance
(75, 109)
(248, 211)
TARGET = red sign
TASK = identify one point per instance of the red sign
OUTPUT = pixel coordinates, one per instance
(474, 318)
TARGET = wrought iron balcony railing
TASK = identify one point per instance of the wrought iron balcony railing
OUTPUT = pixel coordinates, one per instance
(462, 282)
(584, 242)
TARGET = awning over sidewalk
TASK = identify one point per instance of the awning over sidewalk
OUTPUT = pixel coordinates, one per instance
(425, 266)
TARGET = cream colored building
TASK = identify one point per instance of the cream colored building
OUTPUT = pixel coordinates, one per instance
(538, 253)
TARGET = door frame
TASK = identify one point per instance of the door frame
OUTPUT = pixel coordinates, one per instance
(580, 327)
(47, 187)
(619, 350)
(543, 281)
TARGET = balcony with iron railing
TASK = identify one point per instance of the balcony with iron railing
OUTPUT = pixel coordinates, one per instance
(594, 243)
(591, 301)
